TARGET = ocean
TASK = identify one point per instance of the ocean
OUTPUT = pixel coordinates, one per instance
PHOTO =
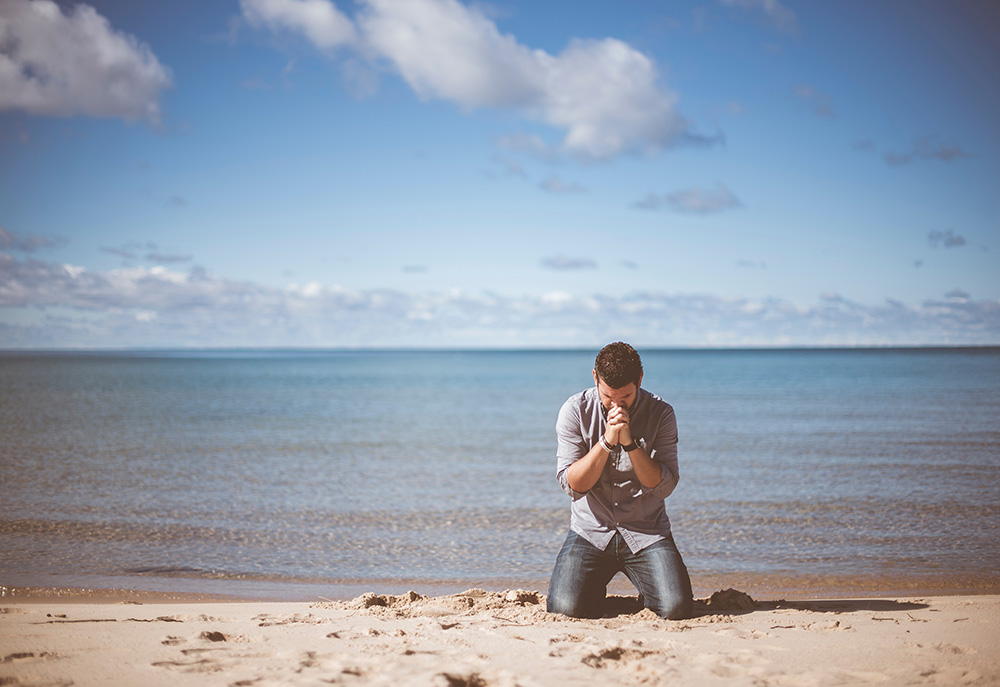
(304, 474)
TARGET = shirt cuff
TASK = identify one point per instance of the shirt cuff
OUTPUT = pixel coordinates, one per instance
(564, 483)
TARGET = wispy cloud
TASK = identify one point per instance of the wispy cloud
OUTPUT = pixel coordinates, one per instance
(945, 239)
(777, 14)
(529, 143)
(64, 305)
(561, 262)
(62, 64)
(556, 185)
(692, 200)
(148, 251)
(604, 95)
(168, 258)
(10, 240)
(820, 103)
(925, 148)
(509, 167)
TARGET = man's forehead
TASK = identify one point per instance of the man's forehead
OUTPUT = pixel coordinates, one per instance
(609, 391)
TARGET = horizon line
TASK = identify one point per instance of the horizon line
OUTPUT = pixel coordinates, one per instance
(486, 349)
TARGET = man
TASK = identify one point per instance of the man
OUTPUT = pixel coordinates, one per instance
(617, 460)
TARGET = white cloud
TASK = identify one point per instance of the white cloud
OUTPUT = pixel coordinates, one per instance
(48, 304)
(320, 21)
(603, 94)
(445, 50)
(75, 63)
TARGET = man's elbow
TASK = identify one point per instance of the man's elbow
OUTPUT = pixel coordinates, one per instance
(667, 485)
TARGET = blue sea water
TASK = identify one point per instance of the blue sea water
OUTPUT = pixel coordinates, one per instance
(295, 474)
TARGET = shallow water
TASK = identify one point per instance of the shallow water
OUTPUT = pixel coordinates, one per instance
(280, 473)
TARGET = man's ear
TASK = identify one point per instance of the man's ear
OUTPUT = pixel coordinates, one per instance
(595, 375)
(639, 383)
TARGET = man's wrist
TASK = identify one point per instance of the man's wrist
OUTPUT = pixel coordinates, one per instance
(605, 445)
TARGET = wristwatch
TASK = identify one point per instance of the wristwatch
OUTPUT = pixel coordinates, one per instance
(631, 447)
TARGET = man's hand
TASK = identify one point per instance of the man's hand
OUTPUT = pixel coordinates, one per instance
(617, 431)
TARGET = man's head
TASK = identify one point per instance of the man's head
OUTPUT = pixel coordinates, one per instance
(618, 374)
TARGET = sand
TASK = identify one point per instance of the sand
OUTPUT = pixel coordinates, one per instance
(480, 639)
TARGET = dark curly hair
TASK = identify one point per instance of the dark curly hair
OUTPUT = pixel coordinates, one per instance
(618, 364)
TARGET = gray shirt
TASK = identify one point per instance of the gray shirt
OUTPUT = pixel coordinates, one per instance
(618, 502)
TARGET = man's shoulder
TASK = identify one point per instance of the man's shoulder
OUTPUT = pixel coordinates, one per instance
(581, 399)
(652, 403)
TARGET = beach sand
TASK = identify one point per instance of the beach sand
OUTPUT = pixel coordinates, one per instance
(479, 639)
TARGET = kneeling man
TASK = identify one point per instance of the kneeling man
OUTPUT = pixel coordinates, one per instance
(617, 460)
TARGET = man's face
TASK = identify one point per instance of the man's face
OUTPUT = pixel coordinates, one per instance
(624, 397)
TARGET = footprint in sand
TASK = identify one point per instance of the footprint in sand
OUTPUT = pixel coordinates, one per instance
(26, 656)
(266, 620)
(459, 680)
(200, 665)
(614, 656)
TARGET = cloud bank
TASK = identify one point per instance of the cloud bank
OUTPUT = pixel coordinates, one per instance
(53, 305)
(55, 63)
(603, 94)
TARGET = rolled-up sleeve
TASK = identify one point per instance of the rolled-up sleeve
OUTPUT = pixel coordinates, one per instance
(571, 445)
(663, 450)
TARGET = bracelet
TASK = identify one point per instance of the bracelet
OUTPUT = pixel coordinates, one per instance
(631, 447)
(605, 445)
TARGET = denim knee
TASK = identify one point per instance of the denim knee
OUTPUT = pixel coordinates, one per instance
(566, 604)
(677, 608)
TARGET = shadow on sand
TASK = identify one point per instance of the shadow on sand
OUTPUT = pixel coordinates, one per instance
(735, 602)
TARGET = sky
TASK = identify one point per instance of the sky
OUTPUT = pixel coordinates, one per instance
(436, 173)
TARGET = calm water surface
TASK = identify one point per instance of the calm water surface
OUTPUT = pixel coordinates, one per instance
(297, 474)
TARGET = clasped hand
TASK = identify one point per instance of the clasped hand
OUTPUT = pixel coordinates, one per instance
(617, 431)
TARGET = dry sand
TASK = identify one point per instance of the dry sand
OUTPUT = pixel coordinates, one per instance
(480, 639)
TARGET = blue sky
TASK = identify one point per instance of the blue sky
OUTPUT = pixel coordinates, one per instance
(437, 173)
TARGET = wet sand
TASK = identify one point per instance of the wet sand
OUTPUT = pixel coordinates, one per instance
(478, 638)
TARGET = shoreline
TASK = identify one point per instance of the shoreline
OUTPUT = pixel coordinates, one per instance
(759, 585)
(497, 639)
(87, 595)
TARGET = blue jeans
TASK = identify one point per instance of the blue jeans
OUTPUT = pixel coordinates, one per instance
(580, 578)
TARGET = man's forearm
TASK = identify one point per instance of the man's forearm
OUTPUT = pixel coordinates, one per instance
(584, 473)
(646, 469)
